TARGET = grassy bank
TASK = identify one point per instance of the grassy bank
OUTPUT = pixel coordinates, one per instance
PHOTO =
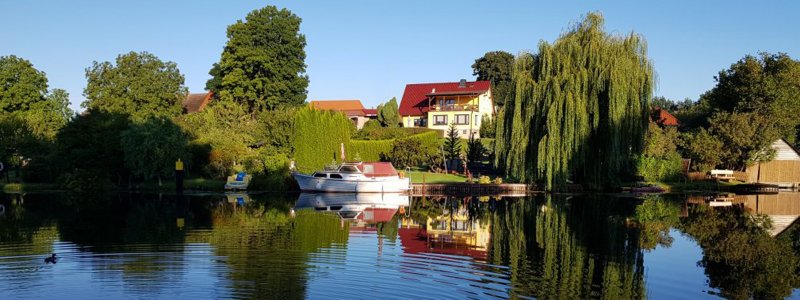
(28, 187)
(698, 186)
(417, 177)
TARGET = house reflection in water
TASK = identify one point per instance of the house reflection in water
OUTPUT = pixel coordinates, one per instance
(782, 208)
(455, 231)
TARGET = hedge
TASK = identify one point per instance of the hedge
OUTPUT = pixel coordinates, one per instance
(379, 150)
(317, 136)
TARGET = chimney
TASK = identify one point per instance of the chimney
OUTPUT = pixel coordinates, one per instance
(462, 83)
(433, 91)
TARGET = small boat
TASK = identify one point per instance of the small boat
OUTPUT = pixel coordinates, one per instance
(361, 177)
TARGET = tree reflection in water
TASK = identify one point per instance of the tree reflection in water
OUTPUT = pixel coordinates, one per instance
(739, 256)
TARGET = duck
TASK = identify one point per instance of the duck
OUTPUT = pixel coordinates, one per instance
(51, 259)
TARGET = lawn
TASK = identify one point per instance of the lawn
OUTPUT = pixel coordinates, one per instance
(416, 177)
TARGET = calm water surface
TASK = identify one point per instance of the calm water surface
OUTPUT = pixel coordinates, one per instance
(360, 246)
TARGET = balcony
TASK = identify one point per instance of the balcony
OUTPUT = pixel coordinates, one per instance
(454, 107)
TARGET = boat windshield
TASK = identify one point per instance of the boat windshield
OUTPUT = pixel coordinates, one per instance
(348, 169)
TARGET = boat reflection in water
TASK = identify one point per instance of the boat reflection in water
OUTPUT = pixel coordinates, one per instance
(369, 207)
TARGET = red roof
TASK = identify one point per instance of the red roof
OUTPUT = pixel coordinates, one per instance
(664, 118)
(196, 102)
(370, 112)
(415, 96)
(350, 107)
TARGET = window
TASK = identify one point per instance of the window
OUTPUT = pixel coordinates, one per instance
(462, 119)
(320, 175)
(440, 120)
(346, 169)
(336, 176)
(476, 120)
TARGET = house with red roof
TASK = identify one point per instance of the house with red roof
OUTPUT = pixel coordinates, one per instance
(663, 118)
(196, 102)
(352, 108)
(437, 105)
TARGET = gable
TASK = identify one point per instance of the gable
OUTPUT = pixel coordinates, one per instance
(784, 151)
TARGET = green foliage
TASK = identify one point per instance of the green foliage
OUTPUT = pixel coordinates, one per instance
(91, 144)
(476, 153)
(139, 85)
(226, 131)
(739, 257)
(660, 160)
(668, 168)
(406, 153)
(766, 85)
(263, 64)
(388, 114)
(497, 67)
(373, 131)
(704, 149)
(579, 110)
(21, 85)
(379, 150)
(655, 217)
(452, 143)
(278, 125)
(488, 127)
(152, 147)
(746, 138)
(317, 138)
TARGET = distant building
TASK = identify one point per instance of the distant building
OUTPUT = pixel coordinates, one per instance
(784, 170)
(663, 118)
(437, 105)
(196, 102)
(354, 110)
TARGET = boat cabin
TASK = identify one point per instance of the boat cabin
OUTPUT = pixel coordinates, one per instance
(359, 170)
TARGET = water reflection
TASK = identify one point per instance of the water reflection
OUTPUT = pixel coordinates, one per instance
(313, 245)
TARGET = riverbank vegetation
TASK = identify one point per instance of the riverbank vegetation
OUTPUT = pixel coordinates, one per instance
(579, 110)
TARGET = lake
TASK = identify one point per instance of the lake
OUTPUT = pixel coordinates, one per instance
(241, 246)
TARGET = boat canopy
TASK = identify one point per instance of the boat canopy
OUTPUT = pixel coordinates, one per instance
(377, 169)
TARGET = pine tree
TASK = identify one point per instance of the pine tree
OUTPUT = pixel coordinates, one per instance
(452, 143)
(578, 110)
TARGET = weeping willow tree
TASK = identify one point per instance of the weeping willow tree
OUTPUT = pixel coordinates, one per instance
(579, 108)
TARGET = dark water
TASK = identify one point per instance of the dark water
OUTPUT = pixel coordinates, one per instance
(348, 246)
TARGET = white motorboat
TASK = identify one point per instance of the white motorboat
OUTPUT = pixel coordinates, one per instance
(362, 177)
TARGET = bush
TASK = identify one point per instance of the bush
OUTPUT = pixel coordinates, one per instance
(371, 150)
(484, 180)
(406, 153)
(667, 169)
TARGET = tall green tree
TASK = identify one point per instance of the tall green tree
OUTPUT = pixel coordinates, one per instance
(263, 63)
(452, 143)
(152, 147)
(704, 149)
(139, 84)
(497, 67)
(21, 85)
(746, 138)
(389, 114)
(766, 84)
(579, 110)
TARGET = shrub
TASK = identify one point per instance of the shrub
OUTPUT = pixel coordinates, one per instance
(667, 169)
(484, 180)
(406, 153)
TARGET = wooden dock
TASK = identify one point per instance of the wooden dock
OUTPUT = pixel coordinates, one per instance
(508, 189)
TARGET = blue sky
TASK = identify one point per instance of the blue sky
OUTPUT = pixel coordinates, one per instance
(369, 50)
